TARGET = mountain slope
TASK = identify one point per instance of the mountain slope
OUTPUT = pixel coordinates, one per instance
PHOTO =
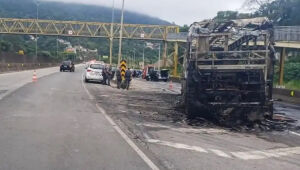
(65, 11)
(70, 11)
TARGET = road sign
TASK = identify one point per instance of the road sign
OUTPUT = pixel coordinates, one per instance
(123, 66)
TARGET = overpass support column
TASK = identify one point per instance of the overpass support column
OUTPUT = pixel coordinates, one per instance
(281, 67)
(111, 40)
(165, 54)
(175, 59)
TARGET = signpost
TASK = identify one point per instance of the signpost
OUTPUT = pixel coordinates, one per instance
(123, 65)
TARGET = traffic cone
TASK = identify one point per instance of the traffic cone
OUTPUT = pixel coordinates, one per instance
(34, 77)
(171, 85)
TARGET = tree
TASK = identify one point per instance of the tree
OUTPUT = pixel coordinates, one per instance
(254, 5)
(226, 15)
(5, 46)
(185, 28)
(281, 12)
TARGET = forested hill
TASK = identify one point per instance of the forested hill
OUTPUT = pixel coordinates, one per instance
(69, 11)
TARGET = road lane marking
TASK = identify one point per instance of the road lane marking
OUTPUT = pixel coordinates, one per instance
(185, 130)
(123, 135)
(220, 153)
(177, 145)
(264, 154)
(248, 155)
(86, 90)
(294, 133)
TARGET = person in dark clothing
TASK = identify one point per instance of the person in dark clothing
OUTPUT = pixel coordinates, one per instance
(128, 77)
(134, 73)
(109, 75)
(119, 78)
(104, 74)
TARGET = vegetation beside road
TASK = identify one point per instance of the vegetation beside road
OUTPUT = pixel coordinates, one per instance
(66, 11)
(282, 13)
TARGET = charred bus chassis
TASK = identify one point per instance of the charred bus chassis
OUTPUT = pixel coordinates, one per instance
(226, 73)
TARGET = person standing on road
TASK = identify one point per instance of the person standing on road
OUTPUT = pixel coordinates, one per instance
(104, 74)
(109, 75)
(119, 78)
(128, 77)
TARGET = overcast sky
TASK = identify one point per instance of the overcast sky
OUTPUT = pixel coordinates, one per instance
(178, 11)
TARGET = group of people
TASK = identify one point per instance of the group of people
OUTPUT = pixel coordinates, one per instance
(128, 78)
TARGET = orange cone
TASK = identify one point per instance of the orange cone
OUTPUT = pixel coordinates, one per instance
(34, 77)
(171, 85)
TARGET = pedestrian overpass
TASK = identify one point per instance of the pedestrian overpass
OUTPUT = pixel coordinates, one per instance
(92, 30)
(285, 36)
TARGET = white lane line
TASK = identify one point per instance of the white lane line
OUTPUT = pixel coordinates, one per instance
(294, 133)
(86, 90)
(220, 153)
(177, 145)
(249, 155)
(185, 130)
(123, 135)
(264, 154)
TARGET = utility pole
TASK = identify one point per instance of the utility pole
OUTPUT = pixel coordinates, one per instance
(144, 55)
(134, 57)
(112, 33)
(36, 36)
(121, 34)
(159, 57)
(57, 47)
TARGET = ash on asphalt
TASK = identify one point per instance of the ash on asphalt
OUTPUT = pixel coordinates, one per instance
(154, 106)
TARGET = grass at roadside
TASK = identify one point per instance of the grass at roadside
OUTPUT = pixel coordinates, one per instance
(293, 85)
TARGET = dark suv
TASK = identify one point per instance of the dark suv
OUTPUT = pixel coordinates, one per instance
(67, 65)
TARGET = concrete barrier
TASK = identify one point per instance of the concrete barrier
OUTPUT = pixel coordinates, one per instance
(286, 92)
(286, 95)
(9, 67)
(175, 79)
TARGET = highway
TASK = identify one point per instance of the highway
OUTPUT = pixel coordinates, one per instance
(60, 122)
(53, 124)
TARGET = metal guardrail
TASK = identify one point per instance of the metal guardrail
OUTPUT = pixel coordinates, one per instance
(287, 33)
(8, 67)
(181, 37)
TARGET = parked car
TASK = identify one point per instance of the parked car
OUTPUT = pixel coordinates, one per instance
(94, 72)
(67, 66)
(158, 75)
(164, 75)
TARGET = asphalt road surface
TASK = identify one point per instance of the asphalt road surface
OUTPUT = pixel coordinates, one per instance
(53, 124)
(59, 122)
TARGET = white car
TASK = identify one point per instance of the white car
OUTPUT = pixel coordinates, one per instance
(93, 72)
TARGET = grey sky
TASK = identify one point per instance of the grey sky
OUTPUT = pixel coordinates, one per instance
(178, 11)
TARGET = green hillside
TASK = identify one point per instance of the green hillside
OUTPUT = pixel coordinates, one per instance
(67, 11)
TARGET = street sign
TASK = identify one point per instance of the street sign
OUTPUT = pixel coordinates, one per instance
(70, 32)
(105, 57)
(123, 66)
